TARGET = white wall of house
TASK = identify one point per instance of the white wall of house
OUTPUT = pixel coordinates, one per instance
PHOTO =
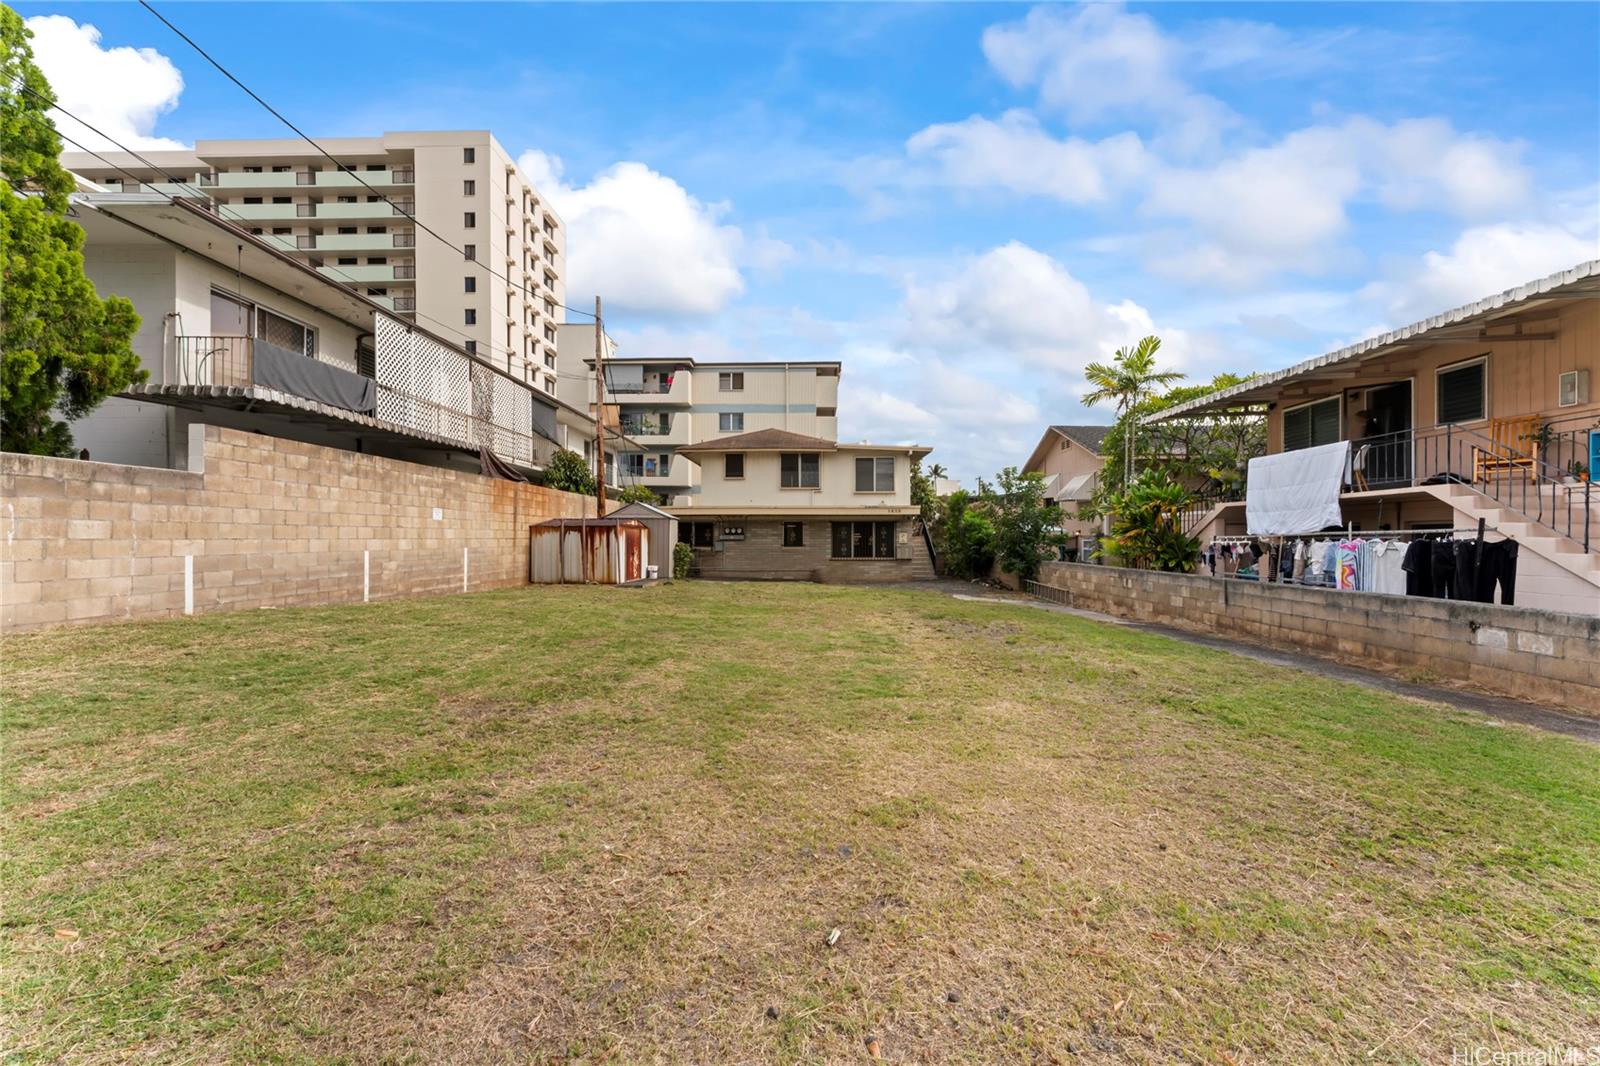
(762, 484)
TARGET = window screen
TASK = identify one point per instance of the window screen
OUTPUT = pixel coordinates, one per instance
(1461, 393)
(730, 422)
(1311, 425)
(733, 465)
(875, 474)
(285, 333)
(800, 470)
(794, 535)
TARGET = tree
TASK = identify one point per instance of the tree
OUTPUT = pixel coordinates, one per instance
(64, 348)
(966, 536)
(569, 472)
(1027, 526)
(1128, 379)
(922, 493)
(637, 494)
(937, 471)
(1147, 530)
(1207, 454)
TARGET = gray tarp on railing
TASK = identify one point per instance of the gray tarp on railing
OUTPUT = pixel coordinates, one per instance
(544, 420)
(289, 371)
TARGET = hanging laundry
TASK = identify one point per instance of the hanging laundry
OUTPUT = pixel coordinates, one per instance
(1418, 566)
(1386, 573)
(1499, 566)
(1348, 563)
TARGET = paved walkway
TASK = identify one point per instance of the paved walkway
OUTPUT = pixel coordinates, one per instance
(1497, 707)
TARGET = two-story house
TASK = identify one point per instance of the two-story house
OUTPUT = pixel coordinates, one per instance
(776, 505)
(1485, 412)
(1069, 459)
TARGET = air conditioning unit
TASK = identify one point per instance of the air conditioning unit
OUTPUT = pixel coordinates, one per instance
(1574, 388)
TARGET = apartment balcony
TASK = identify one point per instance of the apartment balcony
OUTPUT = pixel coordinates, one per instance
(260, 212)
(370, 274)
(658, 388)
(382, 209)
(299, 179)
(663, 430)
(403, 302)
(354, 242)
(676, 473)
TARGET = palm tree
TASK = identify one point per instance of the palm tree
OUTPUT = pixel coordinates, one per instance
(937, 471)
(1128, 379)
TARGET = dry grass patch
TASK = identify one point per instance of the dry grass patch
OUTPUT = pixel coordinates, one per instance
(602, 825)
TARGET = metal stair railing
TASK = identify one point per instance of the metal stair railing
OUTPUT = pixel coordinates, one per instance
(1520, 474)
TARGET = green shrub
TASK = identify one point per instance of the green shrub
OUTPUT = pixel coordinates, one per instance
(569, 472)
(682, 560)
(1146, 528)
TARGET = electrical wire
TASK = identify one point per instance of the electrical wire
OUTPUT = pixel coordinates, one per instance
(338, 165)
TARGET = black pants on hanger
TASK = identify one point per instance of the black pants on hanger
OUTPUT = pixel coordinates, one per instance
(1499, 565)
(1466, 580)
(1444, 569)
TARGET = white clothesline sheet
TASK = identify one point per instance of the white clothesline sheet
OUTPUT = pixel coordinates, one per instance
(1296, 492)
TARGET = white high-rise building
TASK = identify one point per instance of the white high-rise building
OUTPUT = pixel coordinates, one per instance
(492, 278)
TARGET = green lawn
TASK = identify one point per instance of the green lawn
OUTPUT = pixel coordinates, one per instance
(602, 824)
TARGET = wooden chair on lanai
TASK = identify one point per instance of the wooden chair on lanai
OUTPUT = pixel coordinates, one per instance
(1515, 443)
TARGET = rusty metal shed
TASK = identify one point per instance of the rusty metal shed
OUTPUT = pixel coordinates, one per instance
(663, 534)
(579, 551)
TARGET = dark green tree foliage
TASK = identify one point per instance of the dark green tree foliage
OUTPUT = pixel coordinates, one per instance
(638, 494)
(1146, 527)
(922, 494)
(966, 536)
(570, 473)
(1027, 526)
(63, 350)
(1208, 454)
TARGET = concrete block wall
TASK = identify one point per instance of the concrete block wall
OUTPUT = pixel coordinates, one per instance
(761, 556)
(256, 521)
(1531, 654)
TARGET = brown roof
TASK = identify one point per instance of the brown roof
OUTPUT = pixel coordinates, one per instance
(762, 440)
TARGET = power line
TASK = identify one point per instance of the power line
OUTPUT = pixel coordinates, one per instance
(221, 209)
(338, 165)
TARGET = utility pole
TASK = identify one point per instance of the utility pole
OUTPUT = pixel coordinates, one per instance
(599, 410)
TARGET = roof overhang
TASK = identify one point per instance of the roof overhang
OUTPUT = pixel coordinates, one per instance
(1498, 318)
(271, 403)
(691, 511)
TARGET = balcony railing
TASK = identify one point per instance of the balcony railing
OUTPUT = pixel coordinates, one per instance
(214, 360)
(404, 271)
(405, 303)
(405, 240)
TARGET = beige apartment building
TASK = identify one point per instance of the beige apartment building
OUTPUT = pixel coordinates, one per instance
(779, 505)
(668, 405)
(492, 278)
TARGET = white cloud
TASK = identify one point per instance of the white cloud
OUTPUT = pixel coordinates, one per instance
(1283, 206)
(641, 241)
(1482, 261)
(1018, 304)
(1016, 154)
(119, 91)
(1098, 62)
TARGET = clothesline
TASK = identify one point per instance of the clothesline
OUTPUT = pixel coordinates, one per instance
(1386, 534)
(1442, 563)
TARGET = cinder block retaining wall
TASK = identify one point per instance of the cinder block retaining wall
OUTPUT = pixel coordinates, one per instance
(257, 521)
(1531, 654)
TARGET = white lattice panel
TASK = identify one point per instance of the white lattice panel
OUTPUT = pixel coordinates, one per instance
(433, 388)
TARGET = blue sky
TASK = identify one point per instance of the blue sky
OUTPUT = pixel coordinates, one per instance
(964, 203)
